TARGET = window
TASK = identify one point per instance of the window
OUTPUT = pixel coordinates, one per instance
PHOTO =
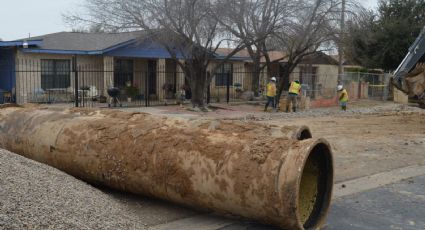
(55, 74)
(123, 72)
(223, 73)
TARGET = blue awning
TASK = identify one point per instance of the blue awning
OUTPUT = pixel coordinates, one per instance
(20, 43)
(70, 52)
(132, 48)
(145, 49)
(233, 58)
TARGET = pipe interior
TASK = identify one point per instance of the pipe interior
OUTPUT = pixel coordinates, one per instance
(315, 186)
(305, 134)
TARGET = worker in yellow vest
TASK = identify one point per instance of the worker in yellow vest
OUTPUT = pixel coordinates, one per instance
(271, 94)
(343, 97)
(294, 91)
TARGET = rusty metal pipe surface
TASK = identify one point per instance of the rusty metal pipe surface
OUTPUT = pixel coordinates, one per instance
(235, 167)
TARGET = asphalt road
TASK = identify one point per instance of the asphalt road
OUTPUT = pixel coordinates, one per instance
(396, 206)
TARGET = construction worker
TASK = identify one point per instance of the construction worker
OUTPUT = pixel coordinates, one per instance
(294, 91)
(271, 93)
(343, 97)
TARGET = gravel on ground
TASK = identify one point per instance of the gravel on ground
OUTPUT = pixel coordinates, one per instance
(37, 196)
(334, 112)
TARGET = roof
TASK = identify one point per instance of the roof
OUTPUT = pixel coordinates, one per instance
(345, 61)
(123, 44)
(273, 55)
(78, 41)
(319, 58)
(223, 52)
(130, 44)
(141, 49)
(279, 56)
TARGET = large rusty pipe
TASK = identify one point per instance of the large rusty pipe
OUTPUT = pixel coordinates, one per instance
(295, 132)
(235, 167)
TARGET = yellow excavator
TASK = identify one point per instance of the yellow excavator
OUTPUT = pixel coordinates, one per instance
(410, 75)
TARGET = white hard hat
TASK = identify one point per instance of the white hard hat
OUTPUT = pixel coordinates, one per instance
(273, 79)
(340, 87)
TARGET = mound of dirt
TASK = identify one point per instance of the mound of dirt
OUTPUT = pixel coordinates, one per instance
(37, 196)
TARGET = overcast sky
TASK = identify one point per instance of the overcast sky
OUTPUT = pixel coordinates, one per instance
(19, 18)
(370, 3)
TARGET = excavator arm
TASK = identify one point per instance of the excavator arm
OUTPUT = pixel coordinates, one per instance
(416, 52)
(410, 75)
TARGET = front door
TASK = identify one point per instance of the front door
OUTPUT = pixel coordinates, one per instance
(123, 72)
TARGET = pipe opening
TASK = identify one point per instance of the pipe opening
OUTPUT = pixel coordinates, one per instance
(304, 134)
(315, 187)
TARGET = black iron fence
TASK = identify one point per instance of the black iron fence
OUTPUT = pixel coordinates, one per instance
(86, 85)
(151, 83)
(138, 83)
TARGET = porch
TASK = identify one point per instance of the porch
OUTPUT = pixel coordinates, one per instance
(84, 81)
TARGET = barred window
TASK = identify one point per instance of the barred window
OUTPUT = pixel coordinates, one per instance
(55, 74)
(223, 73)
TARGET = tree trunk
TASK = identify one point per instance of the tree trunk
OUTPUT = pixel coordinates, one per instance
(287, 70)
(198, 83)
(256, 77)
(281, 86)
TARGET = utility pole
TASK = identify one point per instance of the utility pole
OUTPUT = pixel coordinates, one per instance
(341, 39)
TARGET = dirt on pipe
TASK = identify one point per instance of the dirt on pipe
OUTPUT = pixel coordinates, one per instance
(227, 166)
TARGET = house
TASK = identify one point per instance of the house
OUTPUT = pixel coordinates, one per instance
(234, 73)
(44, 64)
(44, 69)
(40, 69)
(318, 72)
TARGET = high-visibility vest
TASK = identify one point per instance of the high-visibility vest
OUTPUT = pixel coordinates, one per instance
(344, 96)
(295, 88)
(271, 90)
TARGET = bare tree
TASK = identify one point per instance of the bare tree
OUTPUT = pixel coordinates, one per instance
(251, 22)
(311, 30)
(185, 28)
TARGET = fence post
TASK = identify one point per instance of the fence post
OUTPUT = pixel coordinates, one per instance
(208, 94)
(147, 89)
(74, 69)
(359, 87)
(228, 87)
(208, 87)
